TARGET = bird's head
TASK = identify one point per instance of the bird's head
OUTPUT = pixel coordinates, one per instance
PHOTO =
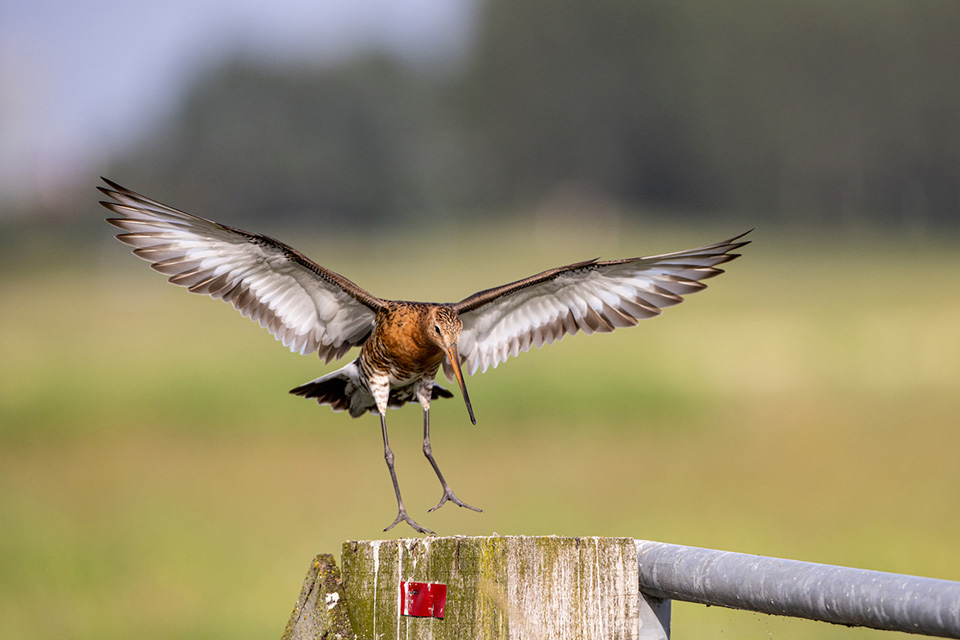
(443, 328)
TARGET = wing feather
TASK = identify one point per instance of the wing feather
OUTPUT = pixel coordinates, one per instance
(586, 296)
(305, 306)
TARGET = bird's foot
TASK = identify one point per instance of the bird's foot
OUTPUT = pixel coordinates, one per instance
(403, 517)
(448, 494)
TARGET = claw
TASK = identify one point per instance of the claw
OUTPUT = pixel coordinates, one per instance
(448, 494)
(403, 517)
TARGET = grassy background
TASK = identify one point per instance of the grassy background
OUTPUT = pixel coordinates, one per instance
(157, 481)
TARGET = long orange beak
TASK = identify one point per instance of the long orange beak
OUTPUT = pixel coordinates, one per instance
(454, 358)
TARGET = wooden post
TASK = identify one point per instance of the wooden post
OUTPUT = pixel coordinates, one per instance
(495, 587)
(320, 611)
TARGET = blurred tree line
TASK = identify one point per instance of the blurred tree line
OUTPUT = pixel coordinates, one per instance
(823, 111)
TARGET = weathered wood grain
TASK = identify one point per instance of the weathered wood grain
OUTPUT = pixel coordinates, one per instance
(515, 587)
(320, 611)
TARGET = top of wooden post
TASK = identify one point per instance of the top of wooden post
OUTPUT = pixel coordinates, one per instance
(495, 587)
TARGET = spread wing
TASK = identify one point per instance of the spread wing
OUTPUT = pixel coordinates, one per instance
(305, 306)
(586, 296)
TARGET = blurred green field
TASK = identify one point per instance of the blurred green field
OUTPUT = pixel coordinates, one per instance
(157, 481)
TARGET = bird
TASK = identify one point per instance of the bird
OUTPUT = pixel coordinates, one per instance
(403, 344)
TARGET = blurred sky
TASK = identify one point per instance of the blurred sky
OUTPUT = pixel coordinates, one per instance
(79, 79)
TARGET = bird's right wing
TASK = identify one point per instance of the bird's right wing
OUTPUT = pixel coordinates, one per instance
(586, 296)
(305, 306)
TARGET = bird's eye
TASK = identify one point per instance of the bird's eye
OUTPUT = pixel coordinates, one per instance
(436, 328)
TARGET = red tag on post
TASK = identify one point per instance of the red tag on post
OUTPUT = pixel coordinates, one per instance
(425, 599)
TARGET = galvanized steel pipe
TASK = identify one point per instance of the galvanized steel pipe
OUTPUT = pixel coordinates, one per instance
(828, 593)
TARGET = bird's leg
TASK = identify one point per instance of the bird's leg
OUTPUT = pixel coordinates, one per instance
(448, 493)
(401, 510)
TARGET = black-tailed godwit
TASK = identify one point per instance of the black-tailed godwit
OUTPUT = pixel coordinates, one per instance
(402, 344)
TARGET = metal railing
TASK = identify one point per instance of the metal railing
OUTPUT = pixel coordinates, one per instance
(841, 595)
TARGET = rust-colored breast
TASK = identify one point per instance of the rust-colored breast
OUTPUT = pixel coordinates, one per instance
(402, 342)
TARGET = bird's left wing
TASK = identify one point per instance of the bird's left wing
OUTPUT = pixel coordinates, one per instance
(587, 296)
(305, 306)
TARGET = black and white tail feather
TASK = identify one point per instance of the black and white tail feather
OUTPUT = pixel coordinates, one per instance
(344, 390)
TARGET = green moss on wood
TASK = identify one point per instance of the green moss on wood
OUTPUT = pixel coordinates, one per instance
(321, 610)
(497, 587)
